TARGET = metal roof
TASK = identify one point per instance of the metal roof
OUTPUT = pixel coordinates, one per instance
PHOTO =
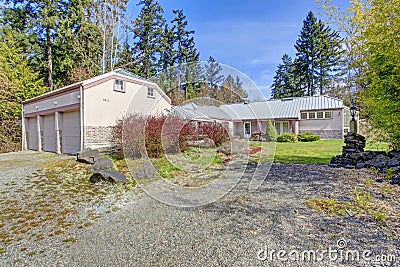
(272, 109)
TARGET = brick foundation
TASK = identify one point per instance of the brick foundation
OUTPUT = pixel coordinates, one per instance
(325, 134)
(98, 134)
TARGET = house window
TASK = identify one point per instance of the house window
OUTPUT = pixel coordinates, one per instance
(320, 115)
(119, 86)
(328, 115)
(311, 115)
(286, 127)
(150, 92)
(278, 127)
(303, 115)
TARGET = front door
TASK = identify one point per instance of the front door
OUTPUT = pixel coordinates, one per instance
(247, 130)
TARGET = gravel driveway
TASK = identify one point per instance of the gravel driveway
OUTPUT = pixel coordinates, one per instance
(241, 229)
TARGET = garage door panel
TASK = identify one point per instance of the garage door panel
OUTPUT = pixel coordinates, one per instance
(32, 135)
(71, 132)
(49, 133)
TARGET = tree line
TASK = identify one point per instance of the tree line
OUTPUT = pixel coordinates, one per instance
(69, 41)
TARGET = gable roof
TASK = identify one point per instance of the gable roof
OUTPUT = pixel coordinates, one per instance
(118, 72)
(287, 108)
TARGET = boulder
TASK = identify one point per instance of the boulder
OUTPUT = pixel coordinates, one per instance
(393, 162)
(395, 179)
(380, 162)
(394, 154)
(396, 169)
(108, 176)
(360, 165)
(89, 156)
(102, 164)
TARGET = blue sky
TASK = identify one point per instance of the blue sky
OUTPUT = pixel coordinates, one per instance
(250, 36)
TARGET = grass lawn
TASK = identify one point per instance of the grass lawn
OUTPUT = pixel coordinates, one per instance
(318, 152)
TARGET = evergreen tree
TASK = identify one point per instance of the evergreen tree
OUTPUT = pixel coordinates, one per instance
(148, 29)
(307, 54)
(239, 90)
(270, 132)
(19, 81)
(226, 92)
(284, 84)
(318, 55)
(186, 56)
(212, 77)
(231, 90)
(126, 55)
(79, 35)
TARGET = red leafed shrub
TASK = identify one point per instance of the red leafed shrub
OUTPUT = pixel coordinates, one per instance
(138, 135)
(213, 130)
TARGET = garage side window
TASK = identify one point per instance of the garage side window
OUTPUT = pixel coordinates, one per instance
(150, 92)
(119, 86)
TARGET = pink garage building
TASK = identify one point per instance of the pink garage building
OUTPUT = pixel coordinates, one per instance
(81, 115)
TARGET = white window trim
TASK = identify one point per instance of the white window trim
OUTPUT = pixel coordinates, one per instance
(152, 90)
(316, 115)
(116, 88)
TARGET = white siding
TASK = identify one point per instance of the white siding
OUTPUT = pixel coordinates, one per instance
(103, 106)
(335, 123)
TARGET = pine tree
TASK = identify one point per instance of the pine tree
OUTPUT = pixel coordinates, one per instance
(186, 56)
(125, 59)
(239, 90)
(270, 132)
(307, 54)
(226, 93)
(318, 55)
(231, 90)
(284, 84)
(212, 77)
(148, 29)
(79, 35)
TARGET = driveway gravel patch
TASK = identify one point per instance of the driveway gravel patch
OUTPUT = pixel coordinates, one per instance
(233, 231)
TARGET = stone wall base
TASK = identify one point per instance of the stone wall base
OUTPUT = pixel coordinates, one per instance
(325, 134)
(98, 134)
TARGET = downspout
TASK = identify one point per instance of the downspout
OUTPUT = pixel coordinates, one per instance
(23, 130)
(82, 117)
(342, 119)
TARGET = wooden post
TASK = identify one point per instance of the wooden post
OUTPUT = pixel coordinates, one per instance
(58, 133)
(39, 131)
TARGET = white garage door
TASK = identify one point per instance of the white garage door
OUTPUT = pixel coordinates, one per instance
(32, 136)
(71, 132)
(49, 133)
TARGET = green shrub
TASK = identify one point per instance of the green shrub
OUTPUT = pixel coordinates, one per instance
(270, 132)
(307, 137)
(287, 138)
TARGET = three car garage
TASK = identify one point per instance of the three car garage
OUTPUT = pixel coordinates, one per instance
(59, 132)
(81, 115)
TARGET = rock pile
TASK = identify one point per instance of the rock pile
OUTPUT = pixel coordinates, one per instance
(354, 156)
(102, 168)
